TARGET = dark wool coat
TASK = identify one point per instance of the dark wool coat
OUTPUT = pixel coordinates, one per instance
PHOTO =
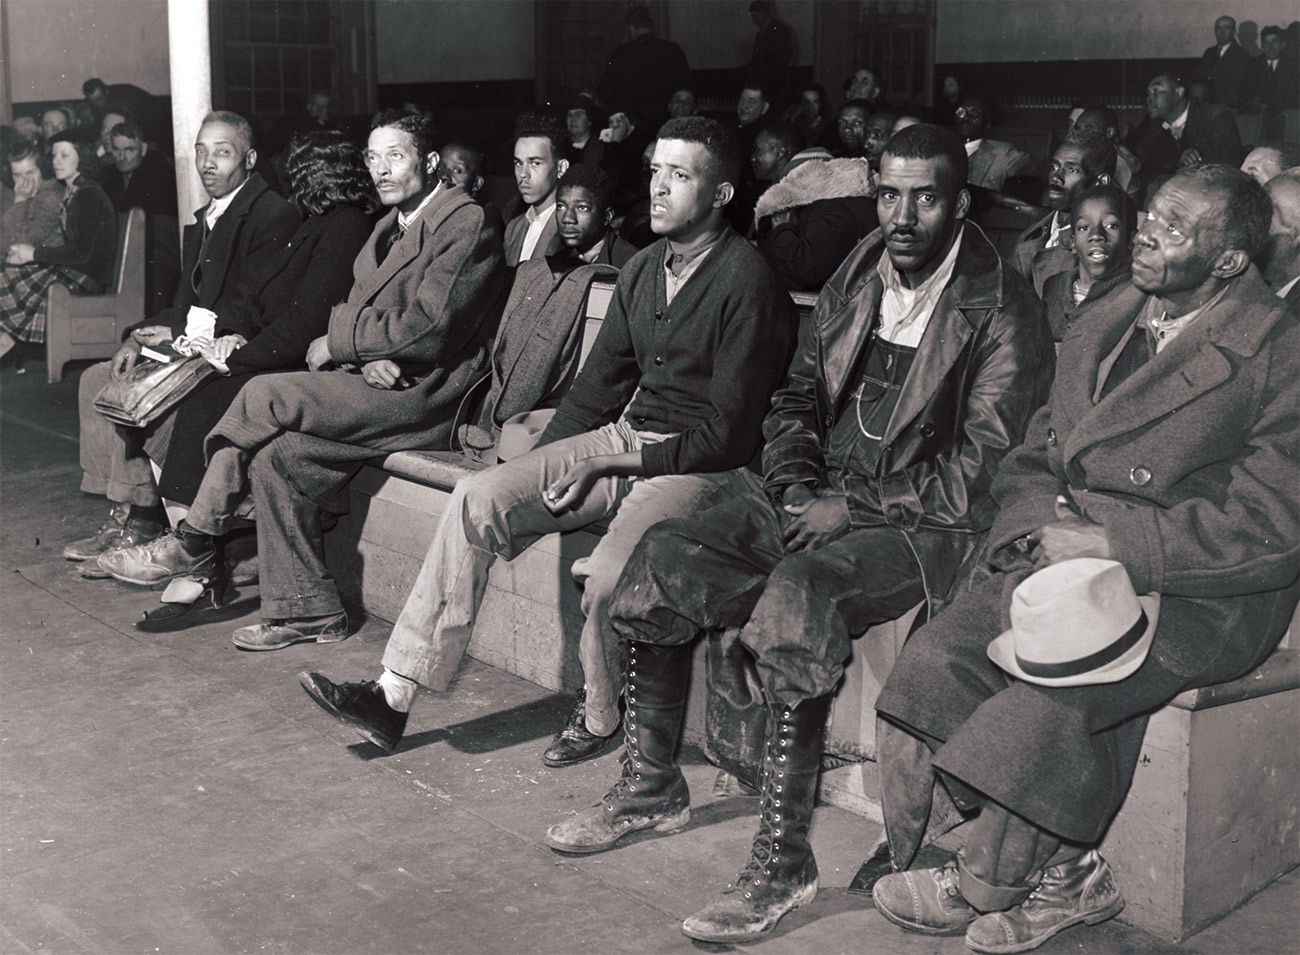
(1058, 298)
(255, 227)
(280, 309)
(1190, 465)
(983, 366)
(89, 236)
(432, 307)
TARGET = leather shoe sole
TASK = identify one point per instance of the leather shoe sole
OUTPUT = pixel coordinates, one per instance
(265, 636)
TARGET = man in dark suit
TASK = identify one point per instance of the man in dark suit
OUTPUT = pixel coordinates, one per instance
(140, 175)
(1165, 453)
(1085, 159)
(1180, 132)
(643, 73)
(390, 375)
(1280, 260)
(1276, 80)
(539, 146)
(243, 222)
(1226, 66)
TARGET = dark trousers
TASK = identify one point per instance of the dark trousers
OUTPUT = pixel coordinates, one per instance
(727, 567)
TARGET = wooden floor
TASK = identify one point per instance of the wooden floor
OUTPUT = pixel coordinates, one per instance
(172, 794)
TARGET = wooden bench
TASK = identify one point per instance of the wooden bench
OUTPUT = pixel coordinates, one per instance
(92, 326)
(1213, 813)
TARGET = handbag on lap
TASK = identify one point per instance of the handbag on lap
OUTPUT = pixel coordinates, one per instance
(153, 387)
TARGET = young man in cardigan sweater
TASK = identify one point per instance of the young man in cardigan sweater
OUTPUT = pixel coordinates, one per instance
(661, 421)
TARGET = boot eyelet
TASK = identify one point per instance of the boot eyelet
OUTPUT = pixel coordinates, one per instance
(781, 758)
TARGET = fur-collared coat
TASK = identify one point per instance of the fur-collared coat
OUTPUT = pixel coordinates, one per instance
(810, 220)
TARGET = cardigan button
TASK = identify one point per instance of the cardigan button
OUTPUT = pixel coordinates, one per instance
(1051, 437)
(659, 359)
(1140, 476)
(658, 315)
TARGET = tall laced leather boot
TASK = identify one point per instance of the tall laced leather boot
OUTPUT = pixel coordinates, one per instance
(781, 874)
(651, 792)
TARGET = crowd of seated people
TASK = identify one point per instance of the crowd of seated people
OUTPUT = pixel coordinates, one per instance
(1098, 424)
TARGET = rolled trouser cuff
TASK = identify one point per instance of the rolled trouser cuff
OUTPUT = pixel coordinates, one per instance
(986, 896)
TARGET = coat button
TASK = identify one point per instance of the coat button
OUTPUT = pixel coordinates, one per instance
(927, 430)
(1140, 476)
(1051, 437)
(658, 315)
(659, 359)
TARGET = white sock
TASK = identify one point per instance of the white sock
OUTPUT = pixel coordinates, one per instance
(399, 691)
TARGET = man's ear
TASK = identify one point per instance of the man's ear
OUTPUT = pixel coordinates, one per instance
(1102, 180)
(561, 168)
(723, 194)
(766, 107)
(1230, 264)
(609, 216)
(144, 149)
(476, 185)
(963, 203)
(250, 159)
(431, 162)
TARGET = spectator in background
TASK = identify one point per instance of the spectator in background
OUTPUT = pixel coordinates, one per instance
(1280, 258)
(773, 51)
(643, 73)
(864, 84)
(1275, 85)
(27, 127)
(1180, 132)
(318, 108)
(751, 106)
(1225, 66)
(584, 143)
(951, 94)
(539, 164)
(1046, 247)
(83, 261)
(138, 175)
(1263, 163)
(682, 104)
(35, 216)
(1102, 120)
(851, 128)
(55, 120)
(809, 115)
(103, 145)
(814, 210)
(879, 128)
(992, 162)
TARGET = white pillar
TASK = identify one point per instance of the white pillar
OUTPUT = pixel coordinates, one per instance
(191, 79)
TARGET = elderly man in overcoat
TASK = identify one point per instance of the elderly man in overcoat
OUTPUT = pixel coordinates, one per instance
(1169, 445)
(389, 375)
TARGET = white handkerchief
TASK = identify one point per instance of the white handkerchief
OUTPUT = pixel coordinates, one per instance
(200, 323)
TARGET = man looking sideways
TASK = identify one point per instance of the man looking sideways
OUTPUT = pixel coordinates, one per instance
(699, 332)
(539, 144)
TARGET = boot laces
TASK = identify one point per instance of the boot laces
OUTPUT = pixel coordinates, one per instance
(766, 848)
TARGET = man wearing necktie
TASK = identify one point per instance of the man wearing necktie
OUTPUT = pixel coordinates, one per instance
(243, 223)
(1168, 445)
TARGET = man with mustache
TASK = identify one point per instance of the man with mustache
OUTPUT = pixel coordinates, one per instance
(1168, 446)
(918, 370)
(1046, 248)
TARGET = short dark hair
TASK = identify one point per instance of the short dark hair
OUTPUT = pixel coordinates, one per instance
(785, 133)
(236, 122)
(475, 154)
(542, 126)
(326, 170)
(927, 141)
(126, 114)
(887, 111)
(862, 104)
(416, 124)
(129, 130)
(1274, 30)
(587, 106)
(1108, 115)
(760, 6)
(87, 159)
(591, 177)
(25, 149)
(1244, 212)
(721, 143)
(92, 84)
(639, 17)
(1099, 156)
(814, 88)
(1117, 197)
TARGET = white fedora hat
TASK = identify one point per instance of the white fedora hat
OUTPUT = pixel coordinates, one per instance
(1075, 623)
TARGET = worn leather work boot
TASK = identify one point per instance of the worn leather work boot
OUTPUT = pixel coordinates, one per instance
(651, 793)
(928, 901)
(781, 874)
(1081, 890)
(88, 548)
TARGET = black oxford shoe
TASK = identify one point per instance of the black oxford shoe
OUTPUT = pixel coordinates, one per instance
(575, 743)
(361, 705)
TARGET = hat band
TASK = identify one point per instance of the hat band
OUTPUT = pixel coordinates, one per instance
(1108, 654)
